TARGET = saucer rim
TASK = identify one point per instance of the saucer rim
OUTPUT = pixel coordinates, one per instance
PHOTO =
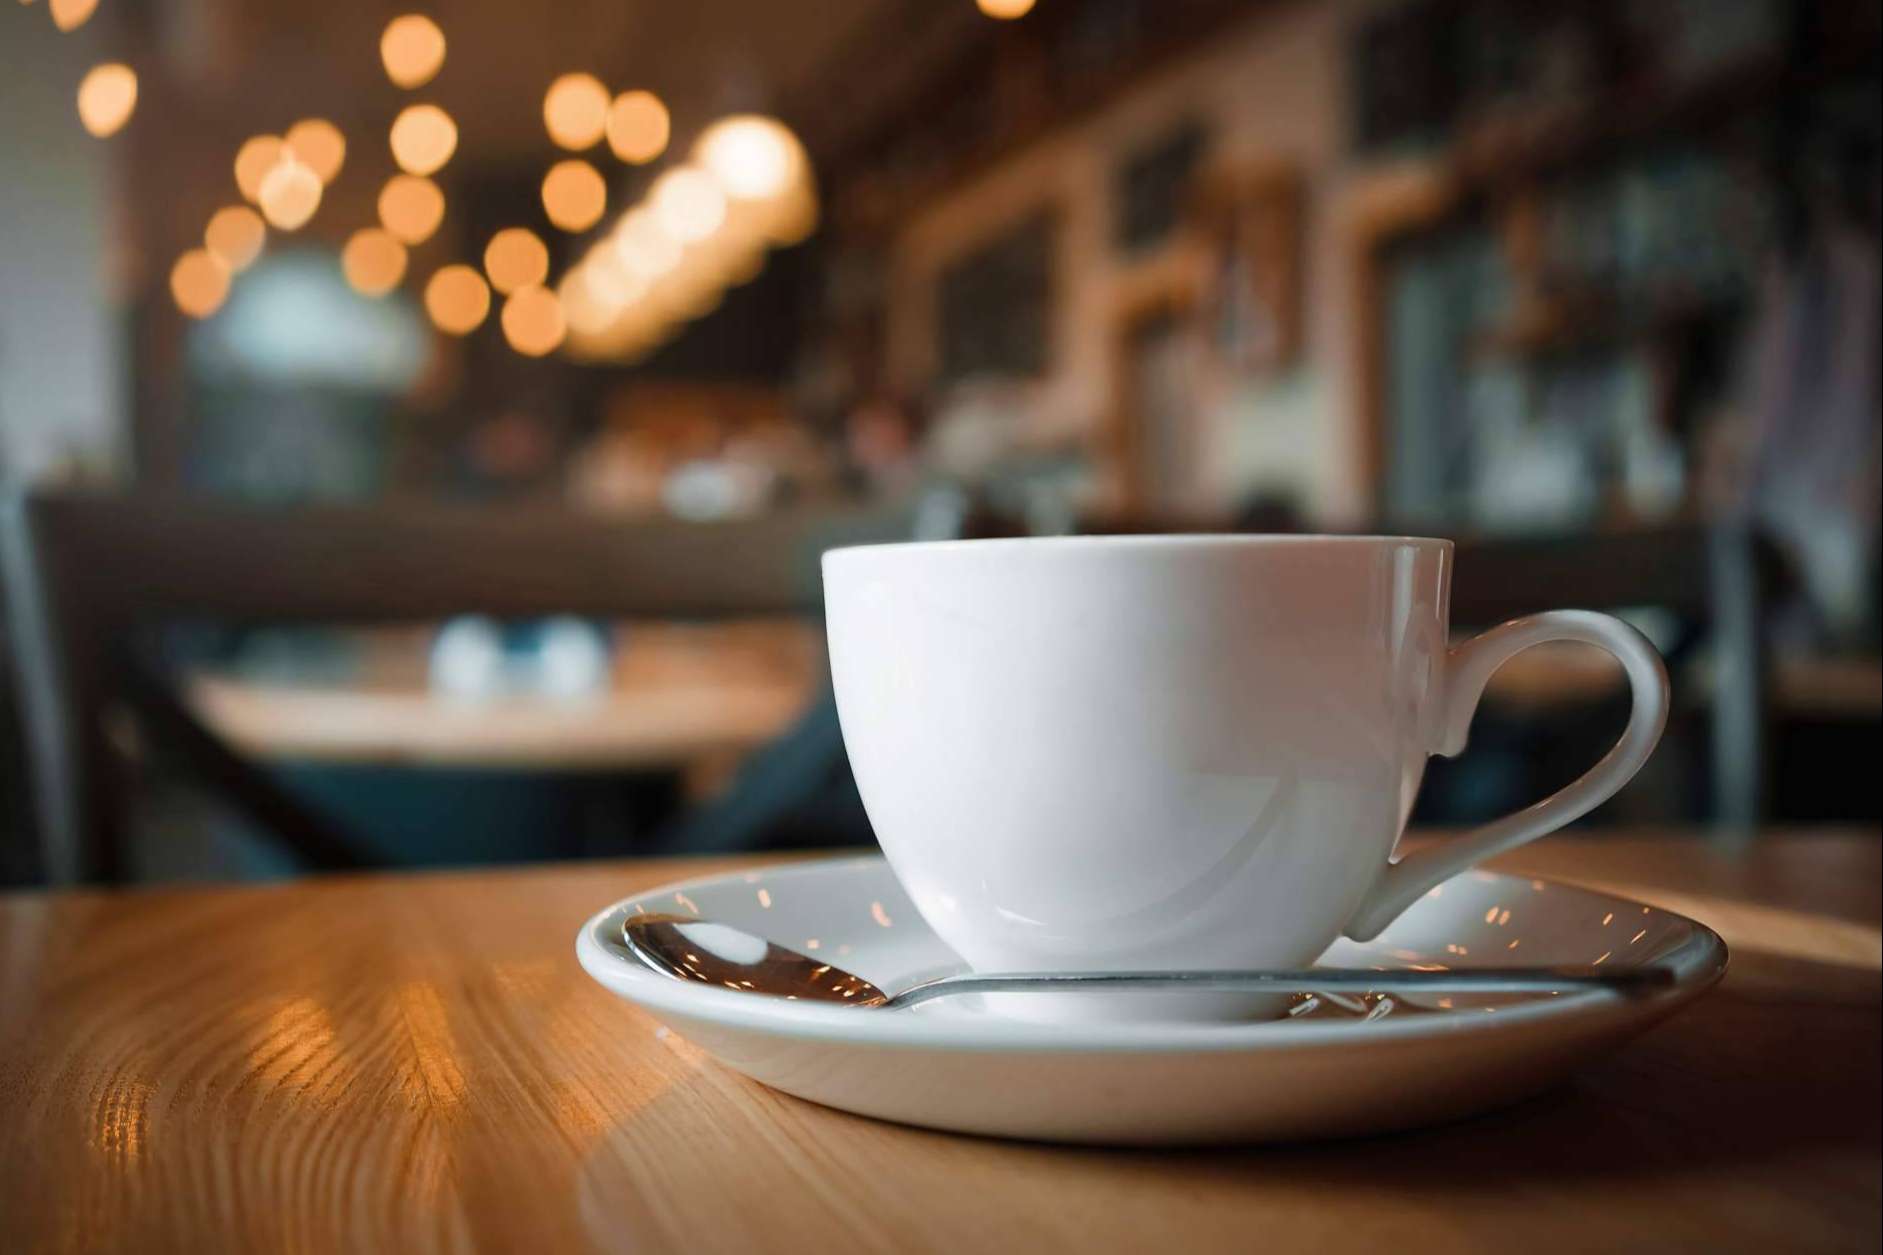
(1699, 961)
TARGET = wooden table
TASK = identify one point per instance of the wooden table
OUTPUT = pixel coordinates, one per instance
(409, 1063)
(677, 694)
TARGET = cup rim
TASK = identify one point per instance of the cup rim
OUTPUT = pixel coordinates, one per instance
(1163, 540)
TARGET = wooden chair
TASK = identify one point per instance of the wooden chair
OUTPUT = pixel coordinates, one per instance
(83, 575)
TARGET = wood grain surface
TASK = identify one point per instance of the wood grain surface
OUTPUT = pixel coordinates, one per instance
(416, 1063)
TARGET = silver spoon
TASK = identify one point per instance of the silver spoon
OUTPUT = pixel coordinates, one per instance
(710, 953)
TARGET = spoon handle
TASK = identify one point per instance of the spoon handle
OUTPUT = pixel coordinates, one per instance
(1501, 980)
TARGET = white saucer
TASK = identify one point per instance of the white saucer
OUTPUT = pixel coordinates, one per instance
(954, 1065)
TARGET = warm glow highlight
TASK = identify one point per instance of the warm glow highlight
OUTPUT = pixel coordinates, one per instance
(235, 236)
(638, 127)
(317, 144)
(575, 111)
(423, 139)
(457, 299)
(198, 283)
(514, 259)
(1005, 10)
(687, 203)
(257, 156)
(792, 218)
(107, 95)
(374, 262)
(608, 280)
(69, 15)
(413, 49)
(574, 195)
(644, 248)
(586, 313)
(704, 226)
(290, 193)
(533, 322)
(753, 157)
(411, 207)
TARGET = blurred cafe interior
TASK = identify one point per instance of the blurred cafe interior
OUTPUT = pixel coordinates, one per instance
(420, 422)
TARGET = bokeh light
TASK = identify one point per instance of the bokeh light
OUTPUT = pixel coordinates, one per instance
(514, 259)
(638, 127)
(423, 139)
(792, 218)
(582, 306)
(753, 157)
(290, 193)
(574, 195)
(608, 279)
(411, 207)
(687, 203)
(575, 111)
(235, 236)
(533, 322)
(69, 15)
(1005, 10)
(412, 50)
(199, 283)
(457, 299)
(317, 144)
(107, 96)
(644, 248)
(257, 156)
(373, 260)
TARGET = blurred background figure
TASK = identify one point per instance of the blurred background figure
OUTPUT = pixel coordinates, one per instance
(420, 427)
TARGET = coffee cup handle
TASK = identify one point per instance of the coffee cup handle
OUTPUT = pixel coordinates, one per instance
(1468, 669)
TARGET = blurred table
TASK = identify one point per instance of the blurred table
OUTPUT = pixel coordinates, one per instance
(676, 694)
(1559, 674)
(410, 1063)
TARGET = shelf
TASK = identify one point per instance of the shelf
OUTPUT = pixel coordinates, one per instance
(1497, 153)
(1567, 322)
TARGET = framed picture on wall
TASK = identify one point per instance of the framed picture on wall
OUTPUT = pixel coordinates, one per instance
(1152, 185)
(1250, 222)
(995, 305)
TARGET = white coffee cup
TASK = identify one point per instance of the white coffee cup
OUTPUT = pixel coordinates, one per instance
(1174, 751)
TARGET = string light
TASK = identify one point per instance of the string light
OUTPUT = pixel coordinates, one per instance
(412, 49)
(608, 279)
(644, 248)
(457, 299)
(533, 321)
(411, 207)
(575, 111)
(752, 157)
(703, 227)
(793, 217)
(423, 139)
(687, 203)
(107, 96)
(69, 15)
(235, 236)
(582, 307)
(198, 283)
(290, 193)
(1005, 10)
(373, 261)
(574, 195)
(638, 127)
(317, 144)
(515, 259)
(257, 156)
